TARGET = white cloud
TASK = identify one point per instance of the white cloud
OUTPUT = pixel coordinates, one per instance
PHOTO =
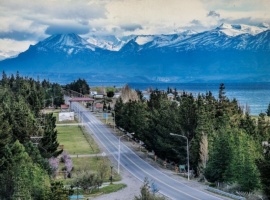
(32, 20)
(11, 48)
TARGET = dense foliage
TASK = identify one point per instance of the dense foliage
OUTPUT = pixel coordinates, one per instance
(224, 142)
(24, 168)
(80, 86)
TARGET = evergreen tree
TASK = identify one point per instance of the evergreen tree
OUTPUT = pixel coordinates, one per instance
(187, 115)
(268, 110)
(119, 109)
(49, 144)
(58, 192)
(80, 86)
(263, 165)
(242, 168)
(263, 127)
(217, 164)
(199, 145)
(20, 177)
(248, 124)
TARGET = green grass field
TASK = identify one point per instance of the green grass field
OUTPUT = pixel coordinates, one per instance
(75, 141)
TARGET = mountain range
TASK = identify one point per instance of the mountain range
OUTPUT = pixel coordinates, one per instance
(227, 53)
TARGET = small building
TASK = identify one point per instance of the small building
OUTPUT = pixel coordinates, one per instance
(92, 93)
(146, 96)
(83, 100)
(64, 108)
(170, 96)
(99, 107)
(117, 95)
(99, 96)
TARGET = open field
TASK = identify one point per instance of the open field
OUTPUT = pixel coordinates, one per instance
(85, 157)
(75, 141)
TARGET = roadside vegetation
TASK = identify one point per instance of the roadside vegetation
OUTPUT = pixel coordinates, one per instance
(89, 168)
(228, 148)
(25, 171)
(36, 159)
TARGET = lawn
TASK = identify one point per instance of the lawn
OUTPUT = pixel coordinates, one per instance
(75, 141)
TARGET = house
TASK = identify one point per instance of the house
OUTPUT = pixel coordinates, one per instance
(99, 107)
(146, 95)
(64, 108)
(99, 96)
(117, 95)
(92, 93)
(170, 96)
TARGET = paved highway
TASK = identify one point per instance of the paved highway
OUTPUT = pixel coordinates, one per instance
(134, 164)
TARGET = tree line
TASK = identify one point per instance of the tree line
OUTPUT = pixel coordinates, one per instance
(225, 143)
(25, 172)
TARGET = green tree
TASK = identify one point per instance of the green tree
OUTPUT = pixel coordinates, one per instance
(164, 120)
(110, 94)
(263, 165)
(242, 168)
(187, 115)
(135, 116)
(268, 110)
(263, 126)
(80, 86)
(217, 164)
(20, 176)
(146, 194)
(248, 124)
(119, 110)
(48, 145)
(58, 192)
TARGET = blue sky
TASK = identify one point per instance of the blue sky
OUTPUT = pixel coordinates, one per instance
(25, 22)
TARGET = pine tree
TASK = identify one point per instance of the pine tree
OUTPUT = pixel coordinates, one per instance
(268, 110)
(217, 164)
(263, 165)
(242, 168)
(48, 145)
(20, 177)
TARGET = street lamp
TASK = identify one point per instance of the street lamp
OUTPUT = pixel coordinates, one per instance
(112, 111)
(77, 190)
(119, 149)
(111, 174)
(187, 149)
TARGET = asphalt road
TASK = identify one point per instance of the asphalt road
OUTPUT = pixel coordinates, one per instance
(167, 186)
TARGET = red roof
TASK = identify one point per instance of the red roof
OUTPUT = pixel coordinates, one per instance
(64, 106)
(99, 105)
(79, 99)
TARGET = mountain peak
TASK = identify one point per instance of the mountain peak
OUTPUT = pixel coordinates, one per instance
(224, 26)
(239, 29)
(70, 39)
(66, 42)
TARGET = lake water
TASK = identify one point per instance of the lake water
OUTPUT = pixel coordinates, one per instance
(255, 95)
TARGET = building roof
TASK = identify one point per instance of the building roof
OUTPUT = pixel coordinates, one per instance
(64, 106)
(81, 99)
(99, 105)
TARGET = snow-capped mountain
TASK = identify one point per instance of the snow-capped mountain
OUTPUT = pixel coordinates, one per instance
(231, 52)
(108, 42)
(69, 43)
(239, 29)
(157, 41)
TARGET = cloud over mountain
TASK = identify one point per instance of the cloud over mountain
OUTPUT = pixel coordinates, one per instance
(228, 52)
